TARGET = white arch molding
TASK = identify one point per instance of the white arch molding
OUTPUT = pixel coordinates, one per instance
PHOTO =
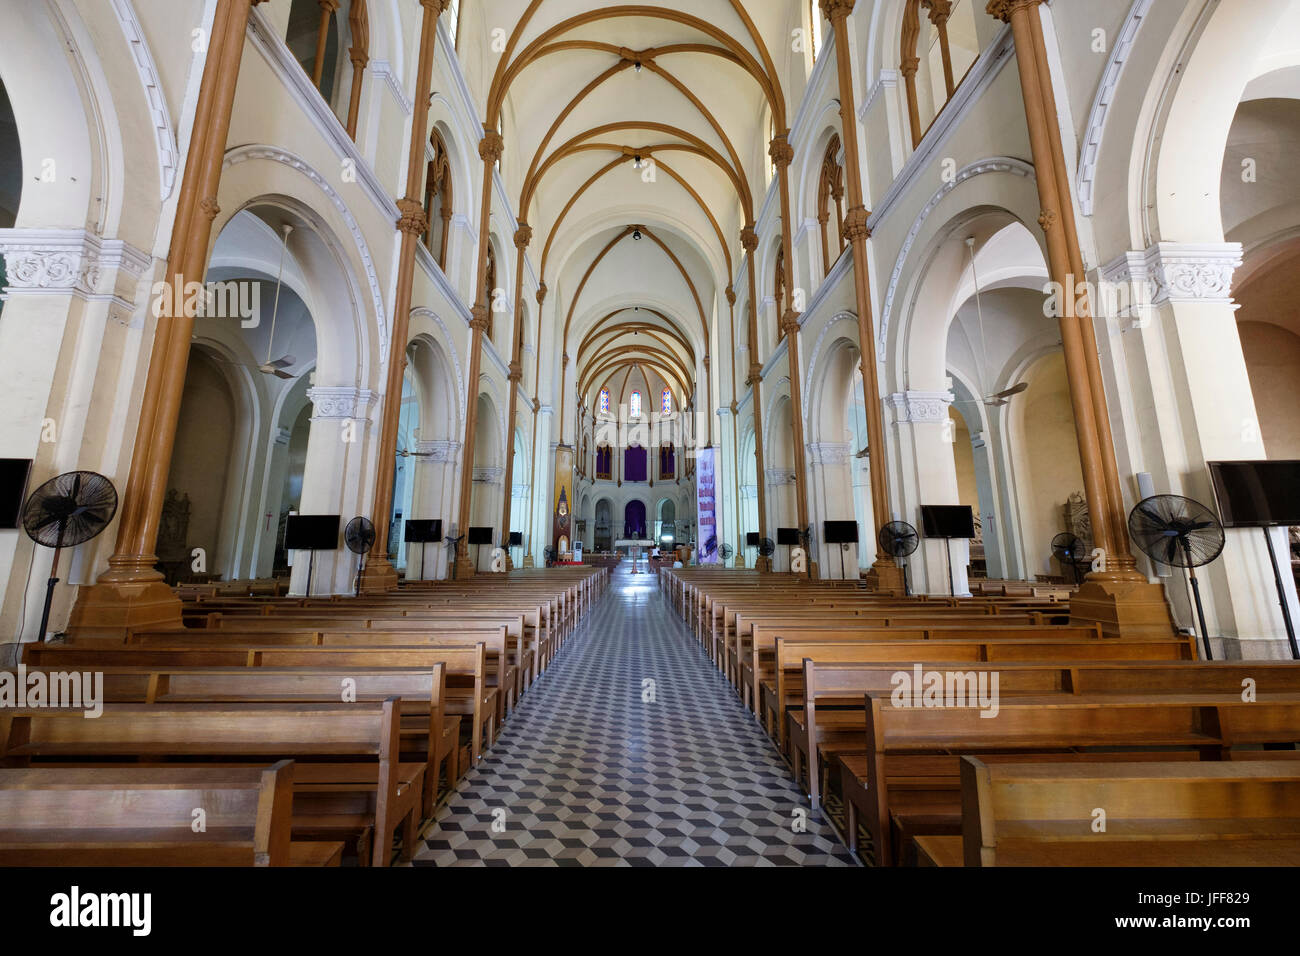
(165, 133)
(455, 359)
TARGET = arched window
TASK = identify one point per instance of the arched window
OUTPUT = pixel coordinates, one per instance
(666, 402)
(437, 199)
(313, 38)
(634, 405)
(934, 59)
(491, 286)
(604, 401)
(830, 191)
(604, 462)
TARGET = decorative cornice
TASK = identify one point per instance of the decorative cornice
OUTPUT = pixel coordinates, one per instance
(164, 132)
(72, 262)
(438, 451)
(779, 476)
(1178, 272)
(340, 402)
(828, 453)
(488, 475)
(920, 408)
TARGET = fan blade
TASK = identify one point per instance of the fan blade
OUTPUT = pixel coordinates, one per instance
(1172, 551)
(284, 361)
(281, 373)
(1013, 390)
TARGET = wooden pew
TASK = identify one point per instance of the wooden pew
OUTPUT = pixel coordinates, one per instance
(347, 777)
(1157, 814)
(144, 816)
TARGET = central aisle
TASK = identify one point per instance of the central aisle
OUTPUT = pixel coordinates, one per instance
(586, 773)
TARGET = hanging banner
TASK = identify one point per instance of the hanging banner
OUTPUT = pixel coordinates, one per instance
(707, 507)
(562, 515)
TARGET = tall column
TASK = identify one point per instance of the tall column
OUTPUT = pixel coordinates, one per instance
(523, 236)
(489, 150)
(885, 575)
(380, 575)
(131, 593)
(327, 8)
(782, 154)
(359, 55)
(1119, 597)
(749, 240)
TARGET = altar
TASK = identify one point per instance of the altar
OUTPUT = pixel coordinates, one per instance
(626, 545)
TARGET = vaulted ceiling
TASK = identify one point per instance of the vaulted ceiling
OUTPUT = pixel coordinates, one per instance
(636, 144)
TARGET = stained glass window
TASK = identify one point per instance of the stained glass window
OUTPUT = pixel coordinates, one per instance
(666, 402)
(634, 405)
(604, 400)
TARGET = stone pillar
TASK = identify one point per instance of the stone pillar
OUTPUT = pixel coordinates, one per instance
(523, 236)
(885, 575)
(380, 575)
(749, 240)
(131, 593)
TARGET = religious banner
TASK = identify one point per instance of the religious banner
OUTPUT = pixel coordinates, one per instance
(708, 517)
(562, 517)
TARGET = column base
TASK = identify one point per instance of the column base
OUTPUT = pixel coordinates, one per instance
(378, 577)
(107, 611)
(465, 567)
(763, 565)
(528, 561)
(885, 578)
(1123, 608)
(510, 564)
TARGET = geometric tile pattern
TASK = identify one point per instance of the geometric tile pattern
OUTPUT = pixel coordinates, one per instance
(630, 751)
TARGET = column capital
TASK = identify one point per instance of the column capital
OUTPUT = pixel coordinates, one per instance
(940, 10)
(781, 151)
(523, 235)
(491, 146)
(479, 319)
(1004, 10)
(790, 322)
(516, 372)
(541, 293)
(909, 66)
(564, 360)
(731, 296)
(834, 10)
(1177, 272)
(328, 6)
(855, 224)
(413, 219)
(919, 407)
(436, 7)
(755, 373)
(748, 239)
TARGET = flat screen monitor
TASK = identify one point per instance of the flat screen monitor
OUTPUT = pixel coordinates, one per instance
(480, 535)
(948, 521)
(1257, 494)
(312, 533)
(516, 539)
(840, 532)
(13, 489)
(751, 539)
(787, 536)
(423, 531)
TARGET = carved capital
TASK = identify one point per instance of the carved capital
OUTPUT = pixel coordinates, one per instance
(748, 239)
(491, 146)
(834, 10)
(755, 373)
(731, 296)
(855, 224)
(210, 208)
(537, 404)
(940, 10)
(480, 319)
(564, 360)
(523, 235)
(1004, 10)
(790, 322)
(436, 7)
(734, 408)
(413, 219)
(909, 66)
(706, 363)
(516, 372)
(328, 6)
(781, 151)
(1047, 218)
(541, 293)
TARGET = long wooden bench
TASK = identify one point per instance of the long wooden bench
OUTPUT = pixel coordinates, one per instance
(1156, 814)
(910, 765)
(347, 776)
(153, 816)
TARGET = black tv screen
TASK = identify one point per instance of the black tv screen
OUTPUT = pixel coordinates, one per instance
(480, 535)
(787, 536)
(751, 539)
(422, 531)
(948, 521)
(1257, 494)
(13, 489)
(312, 533)
(516, 539)
(840, 532)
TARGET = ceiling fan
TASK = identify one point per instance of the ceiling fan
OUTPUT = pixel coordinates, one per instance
(997, 399)
(277, 367)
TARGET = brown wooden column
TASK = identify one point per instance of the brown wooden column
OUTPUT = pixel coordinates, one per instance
(1119, 597)
(908, 64)
(523, 236)
(749, 241)
(940, 11)
(782, 154)
(884, 575)
(131, 593)
(489, 150)
(379, 574)
(359, 54)
(327, 8)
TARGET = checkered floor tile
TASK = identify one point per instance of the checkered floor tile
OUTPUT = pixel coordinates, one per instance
(630, 751)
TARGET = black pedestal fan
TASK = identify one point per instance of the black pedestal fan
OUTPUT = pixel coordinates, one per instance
(359, 536)
(64, 512)
(1069, 549)
(898, 539)
(1182, 533)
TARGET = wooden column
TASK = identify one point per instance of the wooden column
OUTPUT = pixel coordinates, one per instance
(523, 236)
(131, 593)
(359, 54)
(1118, 597)
(782, 154)
(379, 574)
(940, 10)
(907, 64)
(490, 148)
(327, 8)
(749, 241)
(884, 575)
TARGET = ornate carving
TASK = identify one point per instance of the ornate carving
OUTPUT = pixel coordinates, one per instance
(779, 476)
(480, 319)
(790, 322)
(541, 293)
(488, 475)
(339, 402)
(413, 220)
(834, 10)
(523, 235)
(210, 207)
(781, 151)
(909, 66)
(828, 453)
(731, 296)
(516, 372)
(491, 146)
(940, 10)
(920, 408)
(437, 451)
(755, 373)
(748, 239)
(855, 224)
(1004, 10)
(1047, 218)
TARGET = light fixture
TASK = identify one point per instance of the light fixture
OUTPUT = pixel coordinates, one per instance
(637, 162)
(637, 66)
(636, 234)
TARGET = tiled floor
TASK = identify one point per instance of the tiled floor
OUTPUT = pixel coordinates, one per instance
(630, 751)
